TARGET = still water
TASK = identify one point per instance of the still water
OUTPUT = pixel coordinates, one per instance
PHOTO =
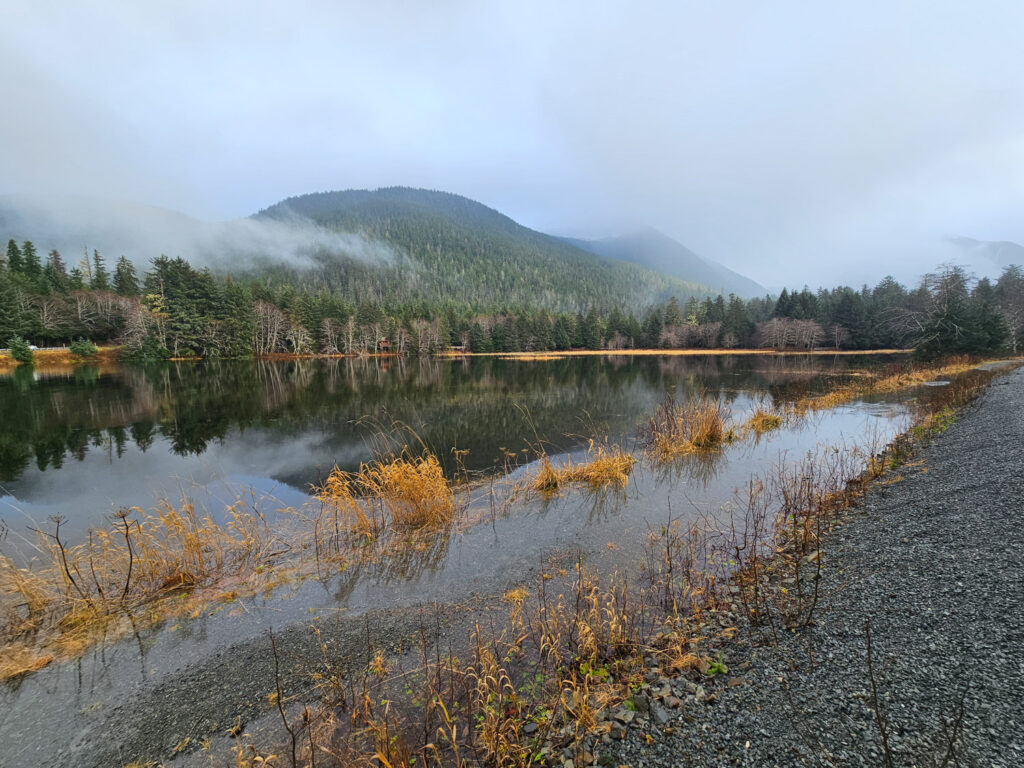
(84, 443)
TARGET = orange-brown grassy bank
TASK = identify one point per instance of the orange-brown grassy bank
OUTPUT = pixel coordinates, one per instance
(675, 353)
(56, 360)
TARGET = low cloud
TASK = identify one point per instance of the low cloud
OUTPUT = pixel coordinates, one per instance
(75, 224)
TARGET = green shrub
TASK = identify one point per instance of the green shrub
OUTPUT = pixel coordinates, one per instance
(20, 350)
(150, 351)
(83, 348)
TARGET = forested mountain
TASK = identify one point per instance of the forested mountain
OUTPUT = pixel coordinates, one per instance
(655, 250)
(444, 247)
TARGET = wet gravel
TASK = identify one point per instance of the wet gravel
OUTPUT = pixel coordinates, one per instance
(154, 723)
(935, 562)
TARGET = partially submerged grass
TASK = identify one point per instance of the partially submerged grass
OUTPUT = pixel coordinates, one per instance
(412, 490)
(70, 596)
(893, 379)
(605, 466)
(764, 418)
(124, 575)
(697, 424)
(19, 659)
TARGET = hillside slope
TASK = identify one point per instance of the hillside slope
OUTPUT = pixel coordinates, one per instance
(448, 247)
(654, 250)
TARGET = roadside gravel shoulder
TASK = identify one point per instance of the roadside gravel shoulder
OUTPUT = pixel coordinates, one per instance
(935, 562)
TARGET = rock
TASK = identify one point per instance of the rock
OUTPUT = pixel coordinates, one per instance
(699, 694)
(673, 702)
(813, 557)
(624, 716)
(659, 714)
(530, 728)
(642, 702)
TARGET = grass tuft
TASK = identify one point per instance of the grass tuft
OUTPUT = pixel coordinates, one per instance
(605, 466)
(412, 489)
(764, 419)
(699, 424)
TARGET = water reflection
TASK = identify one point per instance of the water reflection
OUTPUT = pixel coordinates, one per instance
(125, 435)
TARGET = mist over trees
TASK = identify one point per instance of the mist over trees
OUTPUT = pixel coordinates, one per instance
(174, 309)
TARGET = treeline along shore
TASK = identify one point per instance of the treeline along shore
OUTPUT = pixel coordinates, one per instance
(174, 309)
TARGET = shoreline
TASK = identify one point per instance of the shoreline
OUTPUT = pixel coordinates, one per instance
(678, 353)
(61, 358)
(911, 656)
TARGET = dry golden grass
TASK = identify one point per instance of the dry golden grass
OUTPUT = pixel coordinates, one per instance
(69, 597)
(531, 356)
(763, 419)
(911, 375)
(124, 574)
(605, 466)
(413, 490)
(62, 359)
(338, 494)
(678, 353)
(20, 659)
(696, 425)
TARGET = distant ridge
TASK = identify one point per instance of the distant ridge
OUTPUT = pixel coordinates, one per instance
(655, 250)
(462, 248)
(988, 254)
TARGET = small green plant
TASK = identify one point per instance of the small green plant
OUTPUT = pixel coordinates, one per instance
(83, 348)
(20, 350)
(717, 667)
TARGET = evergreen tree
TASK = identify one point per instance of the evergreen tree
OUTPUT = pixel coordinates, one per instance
(11, 320)
(30, 265)
(478, 340)
(125, 281)
(100, 276)
(55, 273)
(591, 330)
(784, 305)
(946, 327)
(673, 314)
(76, 280)
(562, 334)
(737, 327)
(14, 263)
(650, 333)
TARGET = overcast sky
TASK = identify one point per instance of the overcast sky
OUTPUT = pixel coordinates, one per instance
(839, 141)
